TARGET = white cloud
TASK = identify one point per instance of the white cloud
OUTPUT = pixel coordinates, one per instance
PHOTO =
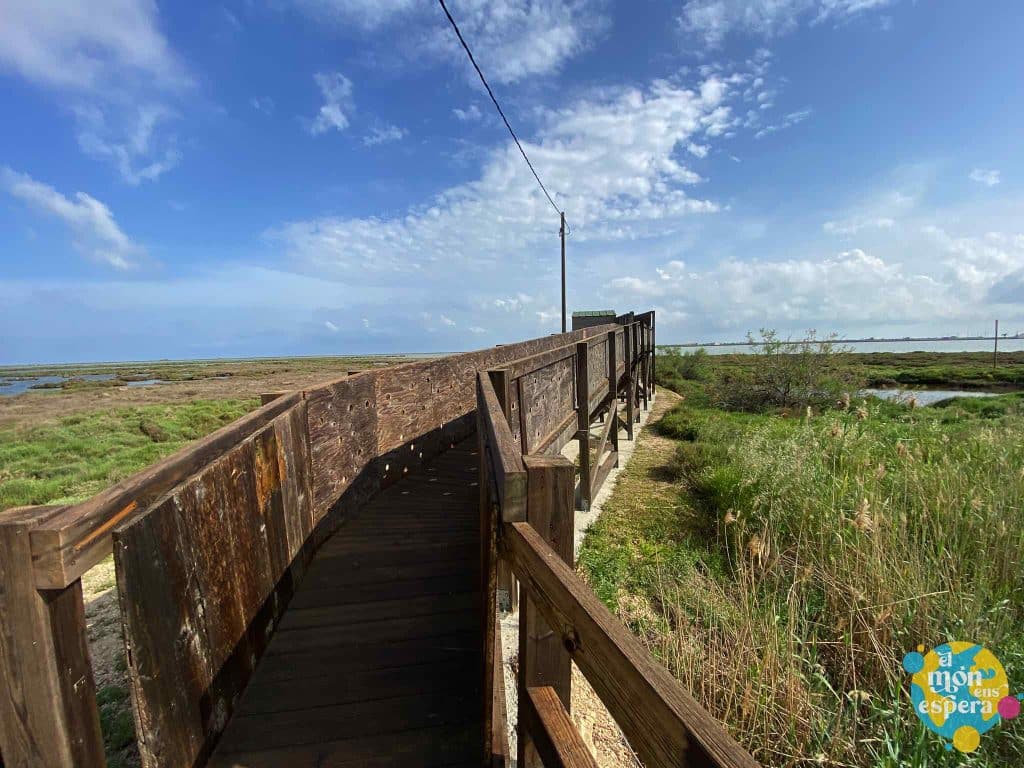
(855, 225)
(263, 104)
(612, 160)
(447, 321)
(477, 329)
(383, 134)
(331, 326)
(336, 90)
(988, 177)
(711, 21)
(91, 222)
(468, 115)
(137, 146)
(793, 118)
(115, 72)
(512, 39)
(87, 46)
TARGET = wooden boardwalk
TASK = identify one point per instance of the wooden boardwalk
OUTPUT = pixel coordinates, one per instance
(376, 661)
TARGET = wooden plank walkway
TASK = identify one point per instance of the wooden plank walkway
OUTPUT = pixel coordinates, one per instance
(376, 662)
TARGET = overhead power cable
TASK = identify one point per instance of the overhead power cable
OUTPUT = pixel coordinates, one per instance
(497, 105)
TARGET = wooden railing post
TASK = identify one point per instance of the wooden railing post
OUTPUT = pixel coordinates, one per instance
(48, 711)
(506, 580)
(583, 420)
(543, 660)
(629, 341)
(645, 349)
(613, 393)
(653, 349)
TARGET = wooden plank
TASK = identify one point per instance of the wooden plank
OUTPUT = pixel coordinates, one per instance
(542, 659)
(73, 541)
(498, 717)
(204, 575)
(630, 384)
(556, 738)
(48, 712)
(555, 440)
(509, 473)
(583, 397)
(527, 365)
(663, 724)
(342, 426)
(603, 469)
(547, 402)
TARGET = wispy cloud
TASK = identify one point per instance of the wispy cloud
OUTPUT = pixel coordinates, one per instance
(90, 221)
(110, 63)
(137, 144)
(711, 21)
(512, 39)
(989, 177)
(263, 104)
(88, 46)
(793, 118)
(470, 114)
(338, 106)
(383, 134)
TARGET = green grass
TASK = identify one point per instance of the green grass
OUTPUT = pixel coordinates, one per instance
(77, 456)
(796, 559)
(936, 370)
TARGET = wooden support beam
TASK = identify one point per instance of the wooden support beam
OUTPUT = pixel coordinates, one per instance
(603, 468)
(48, 712)
(543, 661)
(662, 722)
(502, 384)
(630, 380)
(555, 737)
(583, 421)
(613, 390)
(269, 397)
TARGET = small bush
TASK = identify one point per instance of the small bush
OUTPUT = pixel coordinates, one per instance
(787, 374)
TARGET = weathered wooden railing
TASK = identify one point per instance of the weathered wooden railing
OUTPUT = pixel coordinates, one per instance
(527, 513)
(208, 547)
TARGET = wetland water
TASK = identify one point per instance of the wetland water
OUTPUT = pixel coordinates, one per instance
(10, 386)
(922, 396)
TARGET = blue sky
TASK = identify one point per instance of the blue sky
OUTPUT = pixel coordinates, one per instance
(328, 177)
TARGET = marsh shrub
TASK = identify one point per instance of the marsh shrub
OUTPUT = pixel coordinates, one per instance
(846, 540)
(782, 373)
(674, 367)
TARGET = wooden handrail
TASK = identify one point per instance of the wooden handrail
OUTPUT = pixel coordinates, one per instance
(555, 737)
(67, 544)
(507, 462)
(662, 722)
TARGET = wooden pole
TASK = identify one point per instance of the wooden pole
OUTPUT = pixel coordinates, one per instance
(613, 393)
(543, 660)
(48, 711)
(995, 346)
(630, 395)
(583, 420)
(561, 233)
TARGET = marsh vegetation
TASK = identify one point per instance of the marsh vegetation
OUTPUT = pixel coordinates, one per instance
(781, 555)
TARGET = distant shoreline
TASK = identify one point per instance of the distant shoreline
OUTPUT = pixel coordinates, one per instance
(903, 340)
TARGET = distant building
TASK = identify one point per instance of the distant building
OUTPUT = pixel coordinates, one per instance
(591, 317)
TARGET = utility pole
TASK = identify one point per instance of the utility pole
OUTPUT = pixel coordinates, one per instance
(995, 346)
(561, 233)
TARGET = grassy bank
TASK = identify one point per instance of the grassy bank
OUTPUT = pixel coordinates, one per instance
(801, 557)
(68, 459)
(935, 370)
(72, 458)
